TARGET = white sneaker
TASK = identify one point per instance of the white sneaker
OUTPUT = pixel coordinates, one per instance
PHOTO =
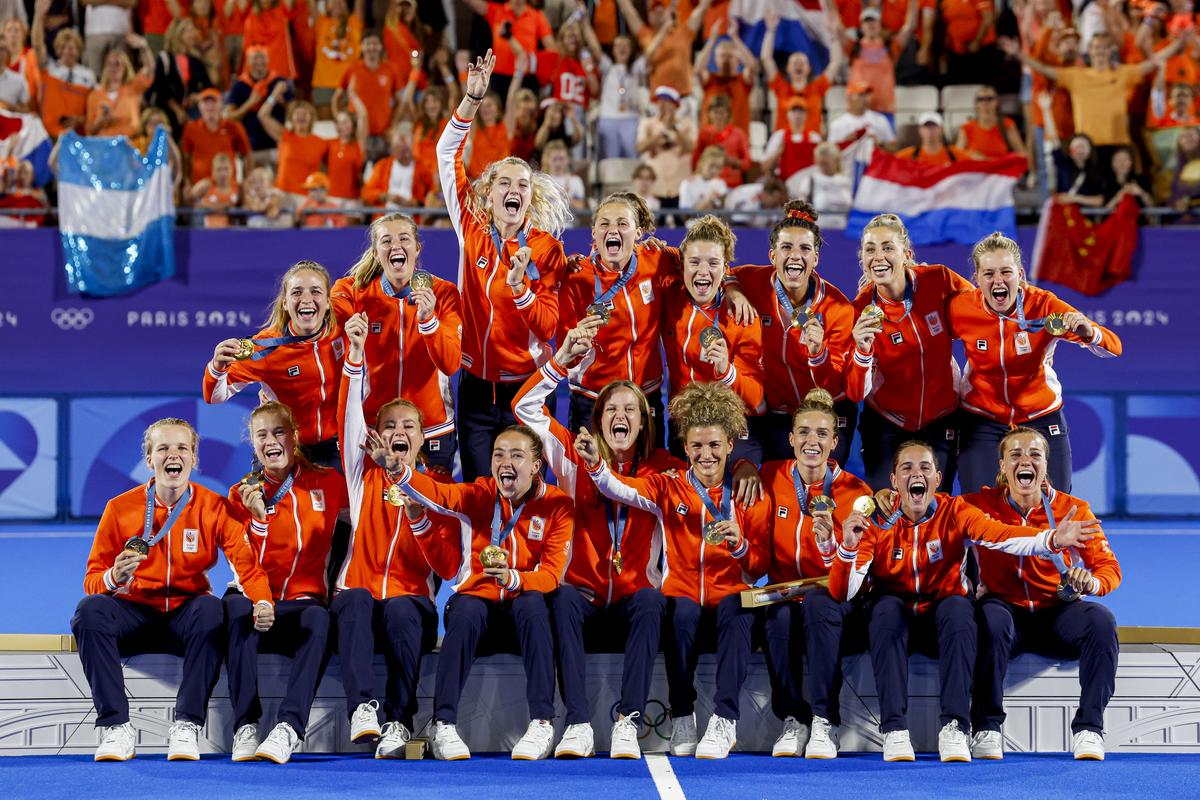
(116, 743)
(245, 743)
(683, 735)
(446, 744)
(623, 743)
(952, 743)
(364, 723)
(898, 747)
(719, 738)
(391, 743)
(280, 743)
(791, 740)
(577, 742)
(183, 742)
(821, 742)
(987, 745)
(1088, 746)
(536, 743)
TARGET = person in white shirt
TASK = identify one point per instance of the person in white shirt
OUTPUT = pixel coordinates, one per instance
(68, 49)
(556, 160)
(14, 91)
(665, 142)
(825, 186)
(858, 117)
(705, 190)
(105, 26)
(757, 204)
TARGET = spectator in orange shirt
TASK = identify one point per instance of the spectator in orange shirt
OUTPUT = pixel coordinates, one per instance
(267, 26)
(233, 25)
(398, 180)
(22, 59)
(375, 82)
(317, 186)
(301, 152)
(347, 154)
(114, 107)
(873, 57)
(721, 132)
(987, 134)
(65, 81)
(339, 36)
(932, 150)
(1179, 111)
(156, 15)
(217, 193)
(736, 72)
(403, 33)
(430, 120)
(489, 137)
(970, 27)
(514, 20)
(796, 80)
(666, 45)
(205, 137)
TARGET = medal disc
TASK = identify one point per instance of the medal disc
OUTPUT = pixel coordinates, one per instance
(711, 533)
(865, 505)
(617, 562)
(821, 503)
(1056, 325)
(394, 495)
(421, 279)
(1066, 592)
(253, 478)
(245, 349)
(600, 310)
(710, 335)
(493, 557)
(873, 311)
(800, 317)
(138, 545)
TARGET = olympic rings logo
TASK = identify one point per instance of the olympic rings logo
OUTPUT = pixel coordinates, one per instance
(651, 721)
(72, 319)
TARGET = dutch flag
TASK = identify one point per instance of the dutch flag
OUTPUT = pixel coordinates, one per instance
(23, 137)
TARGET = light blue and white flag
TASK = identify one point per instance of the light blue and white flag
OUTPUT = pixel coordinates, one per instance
(116, 213)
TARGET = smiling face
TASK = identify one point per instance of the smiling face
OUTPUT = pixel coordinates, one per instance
(210, 111)
(345, 126)
(511, 191)
(1023, 463)
(372, 49)
(621, 420)
(114, 68)
(399, 425)
(883, 255)
(397, 248)
(1080, 149)
(258, 61)
(301, 119)
(718, 116)
(622, 49)
(614, 233)
(307, 299)
(400, 142)
(813, 437)
(1100, 51)
(67, 51)
(703, 269)
(222, 172)
(274, 442)
(171, 456)
(513, 464)
(999, 278)
(915, 478)
(726, 57)
(794, 258)
(708, 447)
(798, 68)
(489, 111)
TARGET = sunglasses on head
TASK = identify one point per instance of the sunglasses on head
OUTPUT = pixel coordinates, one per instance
(985, 98)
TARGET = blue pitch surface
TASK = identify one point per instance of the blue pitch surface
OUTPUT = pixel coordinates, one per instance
(741, 777)
(46, 564)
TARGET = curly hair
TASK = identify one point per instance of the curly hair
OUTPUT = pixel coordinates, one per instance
(700, 405)
(368, 268)
(711, 229)
(549, 207)
(892, 223)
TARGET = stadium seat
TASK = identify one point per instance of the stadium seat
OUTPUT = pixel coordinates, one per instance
(912, 102)
(325, 128)
(616, 174)
(959, 98)
(758, 140)
(954, 120)
(835, 101)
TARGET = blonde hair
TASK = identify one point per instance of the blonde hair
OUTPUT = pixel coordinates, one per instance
(993, 242)
(67, 35)
(279, 318)
(549, 207)
(289, 419)
(711, 229)
(829, 148)
(173, 37)
(710, 153)
(167, 422)
(368, 267)
(890, 222)
(1020, 430)
(407, 405)
(817, 400)
(295, 106)
(700, 405)
(125, 62)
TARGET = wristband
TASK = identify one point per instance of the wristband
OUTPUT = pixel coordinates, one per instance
(474, 98)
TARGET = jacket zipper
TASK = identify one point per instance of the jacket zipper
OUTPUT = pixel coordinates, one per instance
(299, 544)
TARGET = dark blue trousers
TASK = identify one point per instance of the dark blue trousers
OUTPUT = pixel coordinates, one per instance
(440, 450)
(580, 414)
(734, 626)
(467, 618)
(1082, 630)
(979, 455)
(772, 431)
(484, 410)
(947, 632)
(634, 621)
(403, 629)
(881, 438)
(103, 623)
(301, 630)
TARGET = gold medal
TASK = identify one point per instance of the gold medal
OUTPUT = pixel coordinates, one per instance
(801, 316)
(617, 561)
(421, 279)
(1066, 592)
(245, 349)
(600, 310)
(138, 545)
(253, 478)
(710, 335)
(865, 505)
(821, 503)
(394, 495)
(875, 312)
(493, 557)
(1055, 324)
(712, 533)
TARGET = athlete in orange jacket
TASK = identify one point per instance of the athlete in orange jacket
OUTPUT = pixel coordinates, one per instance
(806, 324)
(914, 558)
(291, 508)
(147, 575)
(804, 529)
(514, 543)
(414, 342)
(902, 367)
(510, 294)
(386, 588)
(1010, 331)
(614, 575)
(714, 549)
(1033, 604)
(296, 359)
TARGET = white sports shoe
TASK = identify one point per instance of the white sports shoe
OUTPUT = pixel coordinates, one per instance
(1088, 746)
(821, 743)
(898, 747)
(183, 742)
(364, 723)
(446, 744)
(791, 739)
(624, 739)
(683, 735)
(280, 743)
(987, 745)
(719, 738)
(116, 743)
(952, 743)
(536, 743)
(245, 743)
(392, 741)
(577, 742)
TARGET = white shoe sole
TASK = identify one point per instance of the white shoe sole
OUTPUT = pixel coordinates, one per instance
(1088, 757)
(573, 754)
(978, 757)
(631, 756)
(394, 756)
(183, 757)
(365, 736)
(901, 757)
(684, 752)
(785, 754)
(528, 758)
(272, 759)
(115, 757)
(956, 759)
(243, 759)
(820, 756)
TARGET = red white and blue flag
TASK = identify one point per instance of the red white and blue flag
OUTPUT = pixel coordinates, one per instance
(802, 28)
(23, 137)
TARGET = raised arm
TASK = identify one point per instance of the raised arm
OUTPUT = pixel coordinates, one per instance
(1012, 48)
(270, 125)
(632, 18)
(696, 19)
(704, 56)
(37, 31)
(766, 51)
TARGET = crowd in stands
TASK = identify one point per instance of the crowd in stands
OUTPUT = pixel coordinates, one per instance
(285, 112)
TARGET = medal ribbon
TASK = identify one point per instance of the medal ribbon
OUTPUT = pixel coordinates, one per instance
(1056, 559)
(908, 297)
(268, 346)
(403, 294)
(890, 520)
(611, 292)
(500, 532)
(172, 518)
(531, 269)
(616, 527)
(725, 511)
(786, 302)
(1034, 325)
(284, 488)
(802, 489)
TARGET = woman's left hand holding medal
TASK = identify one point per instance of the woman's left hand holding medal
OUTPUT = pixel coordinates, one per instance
(252, 499)
(225, 353)
(426, 302)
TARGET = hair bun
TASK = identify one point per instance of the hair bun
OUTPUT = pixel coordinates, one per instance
(819, 396)
(800, 209)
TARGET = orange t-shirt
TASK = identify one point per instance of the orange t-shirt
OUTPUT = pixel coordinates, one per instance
(233, 20)
(125, 109)
(345, 169)
(156, 16)
(1060, 99)
(962, 19)
(399, 43)
(529, 28)
(299, 157)
(947, 155)
(424, 144)
(605, 16)
(202, 144)
(672, 61)
(988, 142)
(488, 143)
(269, 29)
(734, 87)
(216, 197)
(377, 89)
(813, 94)
(875, 63)
(335, 53)
(61, 99)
